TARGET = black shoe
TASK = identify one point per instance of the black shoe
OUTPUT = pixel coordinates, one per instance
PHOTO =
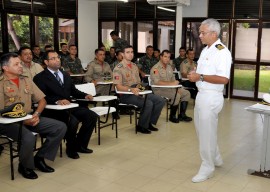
(152, 128)
(174, 119)
(84, 150)
(72, 154)
(41, 165)
(184, 118)
(143, 130)
(27, 173)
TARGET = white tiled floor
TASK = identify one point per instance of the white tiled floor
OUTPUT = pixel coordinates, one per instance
(164, 161)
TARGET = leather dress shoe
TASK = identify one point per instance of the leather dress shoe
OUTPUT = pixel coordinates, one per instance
(84, 150)
(184, 118)
(173, 119)
(143, 130)
(27, 173)
(42, 166)
(72, 154)
(152, 128)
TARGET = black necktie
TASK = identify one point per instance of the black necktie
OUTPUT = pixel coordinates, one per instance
(58, 78)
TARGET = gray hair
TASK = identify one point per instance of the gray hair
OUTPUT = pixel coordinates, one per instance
(213, 25)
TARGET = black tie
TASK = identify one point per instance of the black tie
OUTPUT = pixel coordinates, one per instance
(58, 78)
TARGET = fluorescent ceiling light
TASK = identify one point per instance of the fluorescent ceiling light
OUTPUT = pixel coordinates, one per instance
(166, 9)
(27, 2)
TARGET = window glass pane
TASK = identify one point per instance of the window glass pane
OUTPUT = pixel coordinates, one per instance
(43, 31)
(265, 43)
(265, 9)
(145, 35)
(244, 80)
(66, 31)
(192, 38)
(126, 31)
(106, 29)
(67, 8)
(18, 30)
(125, 10)
(224, 33)
(166, 35)
(144, 10)
(166, 12)
(1, 42)
(220, 9)
(246, 41)
(107, 10)
(264, 80)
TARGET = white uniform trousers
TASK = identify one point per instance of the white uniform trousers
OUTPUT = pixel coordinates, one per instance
(207, 107)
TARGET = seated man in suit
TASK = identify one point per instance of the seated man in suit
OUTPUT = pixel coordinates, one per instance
(14, 88)
(58, 88)
(125, 76)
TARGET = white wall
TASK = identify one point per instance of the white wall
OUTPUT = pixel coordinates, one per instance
(197, 8)
(87, 29)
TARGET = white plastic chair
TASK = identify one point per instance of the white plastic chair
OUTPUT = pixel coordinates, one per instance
(89, 88)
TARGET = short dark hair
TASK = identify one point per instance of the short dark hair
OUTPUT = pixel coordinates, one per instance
(149, 46)
(47, 46)
(5, 58)
(114, 33)
(35, 46)
(112, 48)
(125, 47)
(118, 52)
(97, 50)
(46, 54)
(165, 51)
(72, 45)
(189, 50)
(22, 49)
(61, 44)
(157, 50)
(182, 48)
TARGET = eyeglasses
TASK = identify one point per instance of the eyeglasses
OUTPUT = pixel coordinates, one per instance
(204, 33)
(54, 58)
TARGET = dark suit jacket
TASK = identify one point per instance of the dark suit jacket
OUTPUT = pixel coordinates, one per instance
(47, 83)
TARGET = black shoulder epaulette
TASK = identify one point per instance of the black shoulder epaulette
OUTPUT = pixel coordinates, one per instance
(219, 46)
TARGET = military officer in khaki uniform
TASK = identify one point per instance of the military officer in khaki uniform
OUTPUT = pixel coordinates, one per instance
(125, 76)
(187, 66)
(162, 74)
(99, 71)
(17, 88)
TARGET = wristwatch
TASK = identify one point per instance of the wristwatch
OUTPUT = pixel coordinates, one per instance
(201, 77)
(37, 113)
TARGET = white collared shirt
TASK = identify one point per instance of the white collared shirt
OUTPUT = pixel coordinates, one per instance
(59, 73)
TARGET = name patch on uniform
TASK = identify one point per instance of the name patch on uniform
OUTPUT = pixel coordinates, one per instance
(116, 77)
(219, 46)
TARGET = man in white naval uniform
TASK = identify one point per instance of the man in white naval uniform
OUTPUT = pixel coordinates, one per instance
(212, 73)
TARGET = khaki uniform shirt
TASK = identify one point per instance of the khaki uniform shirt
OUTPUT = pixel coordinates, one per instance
(160, 73)
(126, 75)
(34, 69)
(177, 62)
(187, 67)
(98, 72)
(26, 92)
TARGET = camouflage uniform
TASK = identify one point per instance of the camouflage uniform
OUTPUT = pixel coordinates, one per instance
(146, 63)
(177, 62)
(99, 73)
(38, 59)
(34, 69)
(159, 73)
(114, 64)
(73, 66)
(128, 75)
(119, 44)
(110, 59)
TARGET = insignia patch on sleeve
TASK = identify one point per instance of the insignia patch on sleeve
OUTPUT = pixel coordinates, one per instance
(219, 46)
(119, 65)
